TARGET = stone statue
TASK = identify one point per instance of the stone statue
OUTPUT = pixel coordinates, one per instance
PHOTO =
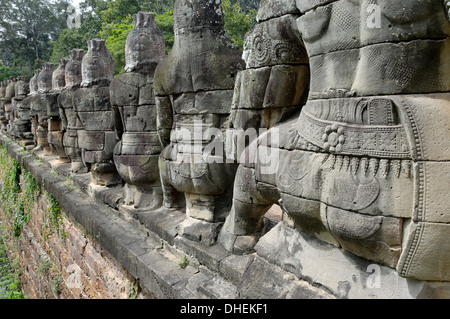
(10, 92)
(92, 105)
(70, 122)
(26, 113)
(194, 88)
(3, 121)
(20, 125)
(364, 164)
(55, 134)
(274, 85)
(136, 155)
(38, 106)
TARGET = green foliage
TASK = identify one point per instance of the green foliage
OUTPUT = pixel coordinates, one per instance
(133, 290)
(38, 32)
(68, 39)
(26, 29)
(9, 276)
(6, 71)
(183, 262)
(44, 267)
(237, 21)
(52, 219)
(158, 6)
(165, 24)
(18, 193)
(115, 36)
(11, 180)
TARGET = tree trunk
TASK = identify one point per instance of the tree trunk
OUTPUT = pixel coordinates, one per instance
(36, 48)
(30, 67)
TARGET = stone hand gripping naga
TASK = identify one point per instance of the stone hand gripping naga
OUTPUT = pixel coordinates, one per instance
(366, 165)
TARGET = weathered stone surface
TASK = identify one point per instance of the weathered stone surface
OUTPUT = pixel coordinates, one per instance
(97, 65)
(132, 98)
(145, 35)
(269, 9)
(71, 123)
(341, 35)
(350, 170)
(197, 101)
(345, 24)
(199, 231)
(59, 76)
(273, 42)
(92, 106)
(73, 75)
(345, 275)
(418, 249)
(20, 117)
(262, 280)
(199, 27)
(55, 124)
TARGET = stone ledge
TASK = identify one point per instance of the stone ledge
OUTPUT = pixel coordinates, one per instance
(148, 246)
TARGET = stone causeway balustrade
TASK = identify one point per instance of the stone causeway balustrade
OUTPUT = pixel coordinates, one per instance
(314, 164)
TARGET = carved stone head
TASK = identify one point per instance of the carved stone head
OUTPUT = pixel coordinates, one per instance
(145, 46)
(34, 82)
(190, 14)
(97, 65)
(22, 87)
(2, 89)
(10, 88)
(45, 78)
(73, 68)
(58, 78)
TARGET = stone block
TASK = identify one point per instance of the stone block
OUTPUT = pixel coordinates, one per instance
(323, 264)
(273, 42)
(423, 260)
(262, 280)
(269, 9)
(97, 121)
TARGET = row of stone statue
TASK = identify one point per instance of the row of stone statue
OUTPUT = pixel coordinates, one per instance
(351, 111)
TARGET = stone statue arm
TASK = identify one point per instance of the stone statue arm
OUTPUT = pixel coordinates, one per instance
(164, 120)
(64, 122)
(118, 124)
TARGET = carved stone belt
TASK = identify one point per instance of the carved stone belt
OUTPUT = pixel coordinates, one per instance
(351, 139)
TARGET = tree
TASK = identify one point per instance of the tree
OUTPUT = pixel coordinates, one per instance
(112, 20)
(247, 5)
(237, 21)
(36, 21)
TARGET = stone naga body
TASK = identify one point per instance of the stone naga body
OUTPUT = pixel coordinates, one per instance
(136, 155)
(365, 166)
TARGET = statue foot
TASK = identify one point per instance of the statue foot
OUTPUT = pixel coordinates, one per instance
(238, 244)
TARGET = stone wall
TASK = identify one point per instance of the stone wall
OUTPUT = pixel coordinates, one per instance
(336, 113)
(59, 259)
